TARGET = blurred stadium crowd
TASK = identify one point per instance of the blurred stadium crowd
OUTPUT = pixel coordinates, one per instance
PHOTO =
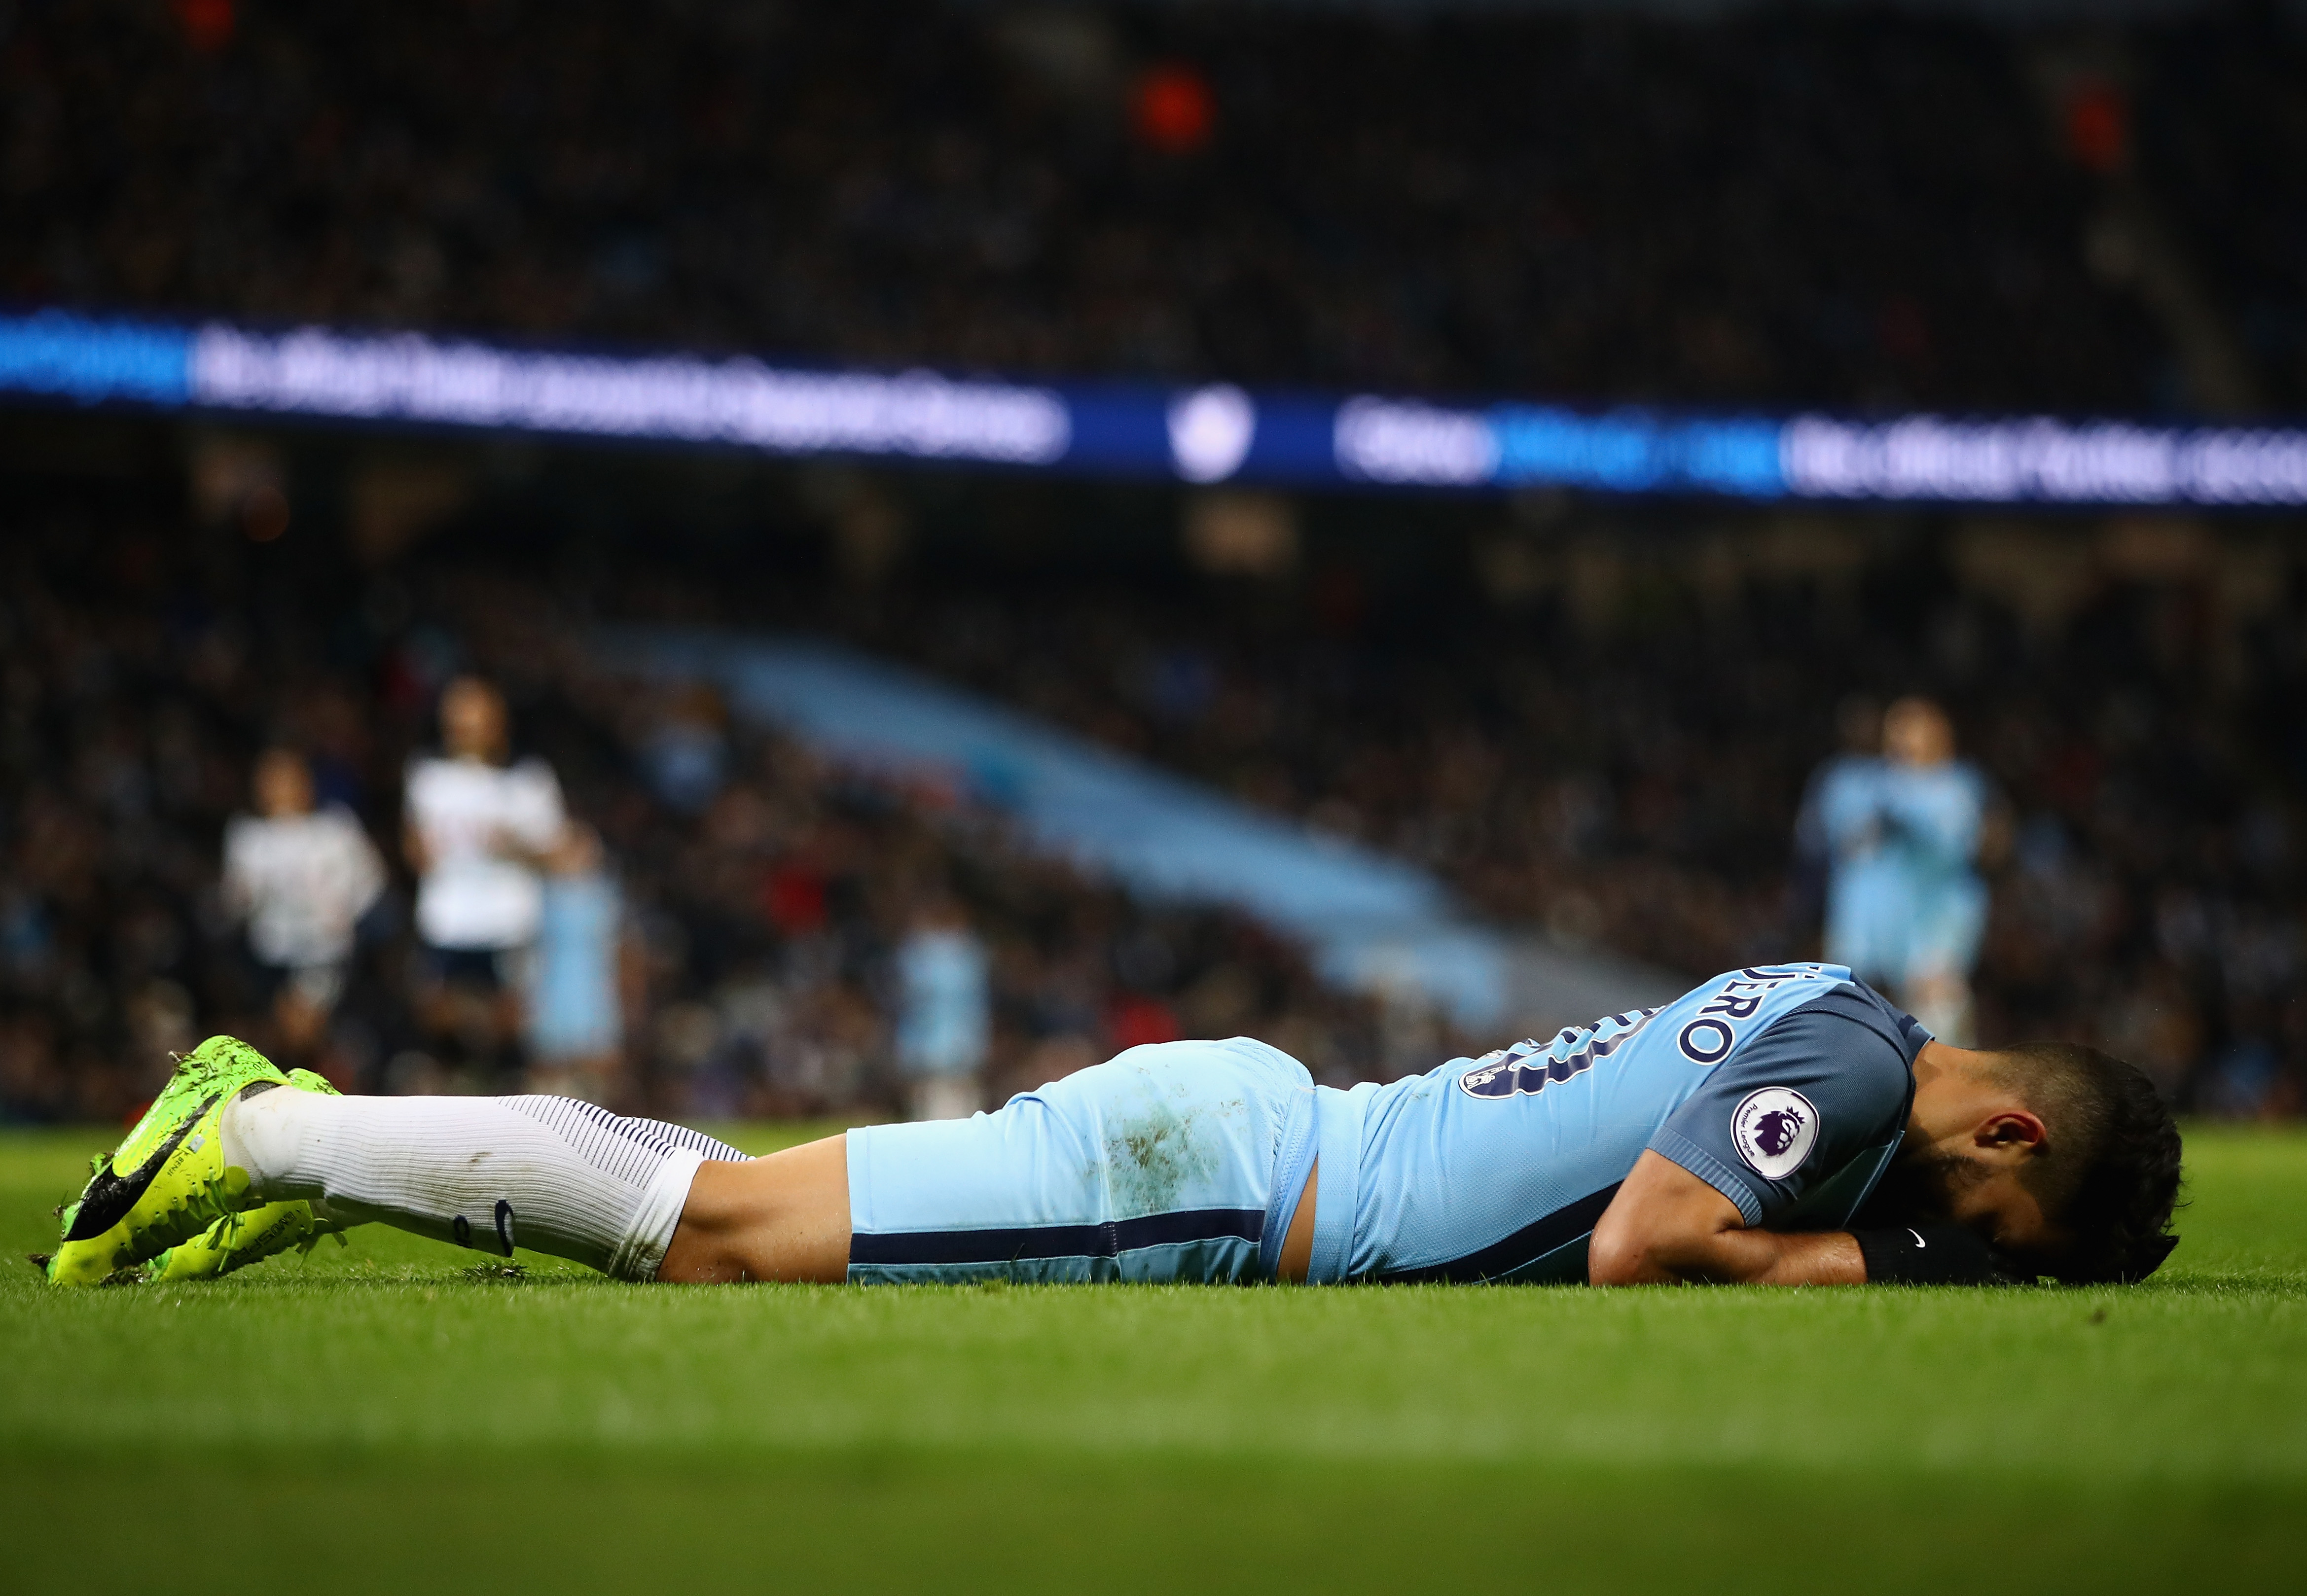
(764, 895)
(1618, 741)
(1789, 207)
(1600, 726)
(1610, 747)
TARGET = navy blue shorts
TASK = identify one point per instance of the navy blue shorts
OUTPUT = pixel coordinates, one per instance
(481, 968)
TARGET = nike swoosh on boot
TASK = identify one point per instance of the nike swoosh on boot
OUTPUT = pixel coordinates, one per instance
(109, 1197)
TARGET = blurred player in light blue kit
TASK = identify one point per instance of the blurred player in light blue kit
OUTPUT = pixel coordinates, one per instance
(1905, 906)
(944, 1014)
(575, 1025)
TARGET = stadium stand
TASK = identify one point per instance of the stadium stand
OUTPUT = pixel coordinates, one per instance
(2219, 136)
(1591, 720)
(1589, 207)
(1607, 750)
(141, 678)
(1618, 742)
(1368, 917)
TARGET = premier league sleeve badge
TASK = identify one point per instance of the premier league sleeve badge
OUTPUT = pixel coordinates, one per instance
(1774, 1129)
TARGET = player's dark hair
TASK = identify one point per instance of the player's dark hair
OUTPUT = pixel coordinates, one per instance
(2111, 1164)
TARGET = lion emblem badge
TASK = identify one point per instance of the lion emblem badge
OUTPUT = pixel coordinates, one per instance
(1774, 1130)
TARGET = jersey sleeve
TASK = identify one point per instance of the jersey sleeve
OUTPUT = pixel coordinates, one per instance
(1849, 805)
(361, 866)
(420, 802)
(1795, 1105)
(534, 810)
(1941, 815)
(239, 880)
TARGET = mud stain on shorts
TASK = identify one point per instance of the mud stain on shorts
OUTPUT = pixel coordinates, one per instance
(1152, 1153)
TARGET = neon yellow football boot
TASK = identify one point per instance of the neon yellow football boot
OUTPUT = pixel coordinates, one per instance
(239, 1240)
(168, 1182)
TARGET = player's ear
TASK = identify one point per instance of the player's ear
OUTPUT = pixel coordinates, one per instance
(2011, 1131)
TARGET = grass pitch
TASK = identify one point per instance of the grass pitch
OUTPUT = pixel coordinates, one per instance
(377, 1418)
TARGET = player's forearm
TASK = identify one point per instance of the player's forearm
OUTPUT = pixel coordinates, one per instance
(1773, 1257)
(1666, 1226)
(1743, 1257)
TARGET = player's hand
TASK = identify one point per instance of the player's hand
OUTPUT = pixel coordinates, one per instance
(1932, 1255)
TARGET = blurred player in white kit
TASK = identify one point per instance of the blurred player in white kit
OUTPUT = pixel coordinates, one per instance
(478, 831)
(301, 876)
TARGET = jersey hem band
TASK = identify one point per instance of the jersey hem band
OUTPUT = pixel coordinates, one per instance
(1338, 1130)
(1292, 1162)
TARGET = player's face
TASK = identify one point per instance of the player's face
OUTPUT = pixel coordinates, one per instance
(1994, 1204)
(1916, 732)
(1983, 1195)
(472, 720)
(284, 786)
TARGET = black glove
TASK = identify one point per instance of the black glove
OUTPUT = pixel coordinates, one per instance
(1930, 1254)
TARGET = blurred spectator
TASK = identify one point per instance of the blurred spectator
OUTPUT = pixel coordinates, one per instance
(575, 1017)
(477, 832)
(302, 877)
(943, 1016)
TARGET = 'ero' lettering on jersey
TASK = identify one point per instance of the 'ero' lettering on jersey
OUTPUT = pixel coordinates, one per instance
(1524, 1069)
(1708, 1038)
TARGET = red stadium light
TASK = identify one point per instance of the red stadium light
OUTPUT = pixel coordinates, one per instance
(2098, 126)
(1174, 108)
(206, 23)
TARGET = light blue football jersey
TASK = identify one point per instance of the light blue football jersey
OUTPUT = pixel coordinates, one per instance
(1904, 900)
(1785, 1087)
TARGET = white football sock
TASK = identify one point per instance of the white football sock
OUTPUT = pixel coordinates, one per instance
(550, 1173)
